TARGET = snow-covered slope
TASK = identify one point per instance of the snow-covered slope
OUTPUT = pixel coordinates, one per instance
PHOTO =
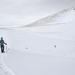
(42, 50)
(65, 16)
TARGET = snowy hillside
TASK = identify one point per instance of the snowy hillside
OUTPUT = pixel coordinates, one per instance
(45, 47)
(65, 16)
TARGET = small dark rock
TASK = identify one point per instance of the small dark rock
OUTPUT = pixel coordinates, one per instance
(26, 48)
(55, 46)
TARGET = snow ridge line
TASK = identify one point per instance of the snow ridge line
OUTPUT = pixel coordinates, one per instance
(4, 68)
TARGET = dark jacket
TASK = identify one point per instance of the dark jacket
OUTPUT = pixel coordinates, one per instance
(2, 42)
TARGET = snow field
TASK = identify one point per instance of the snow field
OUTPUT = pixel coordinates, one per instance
(45, 47)
(27, 63)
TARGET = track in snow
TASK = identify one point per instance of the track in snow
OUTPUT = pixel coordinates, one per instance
(4, 68)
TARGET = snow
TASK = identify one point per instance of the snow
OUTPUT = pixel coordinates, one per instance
(65, 16)
(6, 70)
(25, 63)
(45, 48)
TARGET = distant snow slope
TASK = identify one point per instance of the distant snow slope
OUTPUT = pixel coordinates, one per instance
(65, 16)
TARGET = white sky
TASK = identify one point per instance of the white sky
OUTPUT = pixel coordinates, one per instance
(22, 12)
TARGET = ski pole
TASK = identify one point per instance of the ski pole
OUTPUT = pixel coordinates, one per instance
(6, 48)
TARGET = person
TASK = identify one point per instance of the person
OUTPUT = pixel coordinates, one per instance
(2, 45)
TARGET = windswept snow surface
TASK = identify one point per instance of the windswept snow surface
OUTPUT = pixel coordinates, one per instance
(33, 53)
(43, 48)
(25, 39)
(25, 63)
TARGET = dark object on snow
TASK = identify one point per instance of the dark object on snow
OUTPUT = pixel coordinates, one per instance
(74, 9)
(2, 45)
(55, 46)
(2, 48)
(26, 48)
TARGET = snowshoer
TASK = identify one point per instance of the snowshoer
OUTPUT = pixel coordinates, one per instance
(2, 45)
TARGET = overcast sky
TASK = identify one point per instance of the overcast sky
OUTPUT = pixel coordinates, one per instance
(22, 12)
